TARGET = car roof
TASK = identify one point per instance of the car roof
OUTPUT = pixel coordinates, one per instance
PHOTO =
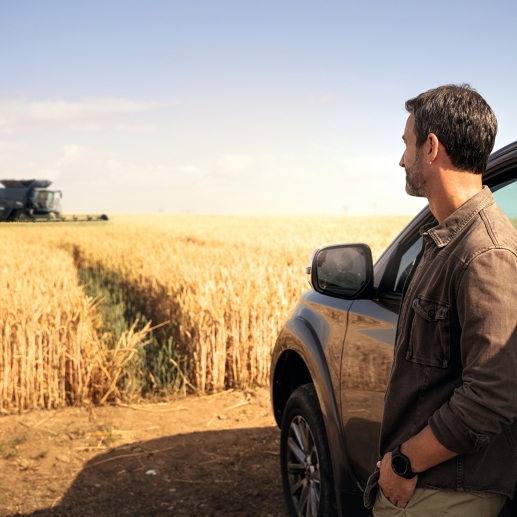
(505, 155)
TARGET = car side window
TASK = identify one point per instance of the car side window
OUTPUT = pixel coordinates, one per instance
(506, 197)
(406, 263)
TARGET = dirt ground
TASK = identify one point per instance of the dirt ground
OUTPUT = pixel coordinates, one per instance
(199, 456)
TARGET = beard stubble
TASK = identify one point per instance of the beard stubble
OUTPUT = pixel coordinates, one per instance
(415, 181)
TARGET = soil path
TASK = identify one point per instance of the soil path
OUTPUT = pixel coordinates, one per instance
(204, 456)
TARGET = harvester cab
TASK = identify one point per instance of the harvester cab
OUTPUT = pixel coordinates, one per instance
(31, 201)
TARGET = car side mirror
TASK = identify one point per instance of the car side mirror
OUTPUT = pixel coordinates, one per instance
(341, 270)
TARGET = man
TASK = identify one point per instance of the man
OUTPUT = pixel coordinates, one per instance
(449, 437)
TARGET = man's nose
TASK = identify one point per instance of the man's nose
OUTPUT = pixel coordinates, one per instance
(401, 163)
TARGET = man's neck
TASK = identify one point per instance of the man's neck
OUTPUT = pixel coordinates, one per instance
(447, 196)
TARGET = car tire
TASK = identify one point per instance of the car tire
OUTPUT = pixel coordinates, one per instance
(305, 457)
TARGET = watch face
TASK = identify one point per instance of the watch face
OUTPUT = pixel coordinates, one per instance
(399, 465)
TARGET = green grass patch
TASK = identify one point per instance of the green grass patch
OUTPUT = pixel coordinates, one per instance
(121, 303)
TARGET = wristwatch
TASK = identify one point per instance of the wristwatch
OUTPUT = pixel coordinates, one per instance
(401, 465)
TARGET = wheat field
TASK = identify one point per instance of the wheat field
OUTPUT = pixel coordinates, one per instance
(153, 305)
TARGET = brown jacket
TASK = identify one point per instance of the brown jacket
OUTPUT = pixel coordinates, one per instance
(455, 362)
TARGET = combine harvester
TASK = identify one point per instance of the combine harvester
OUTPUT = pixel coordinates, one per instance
(29, 201)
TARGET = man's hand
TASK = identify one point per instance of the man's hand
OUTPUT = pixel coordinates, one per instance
(396, 488)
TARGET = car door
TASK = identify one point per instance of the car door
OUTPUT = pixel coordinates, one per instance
(368, 355)
(368, 351)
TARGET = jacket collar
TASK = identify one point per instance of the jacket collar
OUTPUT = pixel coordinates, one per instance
(443, 233)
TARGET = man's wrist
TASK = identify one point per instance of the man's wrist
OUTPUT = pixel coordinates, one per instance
(425, 451)
(413, 458)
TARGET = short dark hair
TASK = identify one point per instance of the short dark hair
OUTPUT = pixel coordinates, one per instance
(462, 121)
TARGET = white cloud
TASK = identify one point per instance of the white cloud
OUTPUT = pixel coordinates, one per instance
(375, 184)
(94, 180)
(231, 166)
(8, 150)
(81, 165)
(260, 168)
(78, 166)
(100, 181)
(329, 98)
(17, 115)
(234, 161)
(9, 157)
(371, 167)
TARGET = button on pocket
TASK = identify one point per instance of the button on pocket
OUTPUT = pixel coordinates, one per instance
(429, 342)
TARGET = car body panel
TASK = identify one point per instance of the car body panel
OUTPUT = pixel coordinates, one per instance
(366, 367)
(315, 331)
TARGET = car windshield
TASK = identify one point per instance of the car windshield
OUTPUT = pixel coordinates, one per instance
(42, 199)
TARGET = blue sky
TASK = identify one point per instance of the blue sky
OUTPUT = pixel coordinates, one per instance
(248, 107)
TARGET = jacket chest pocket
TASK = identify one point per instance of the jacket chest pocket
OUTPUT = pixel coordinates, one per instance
(430, 339)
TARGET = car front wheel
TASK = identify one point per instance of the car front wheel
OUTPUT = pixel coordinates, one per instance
(305, 456)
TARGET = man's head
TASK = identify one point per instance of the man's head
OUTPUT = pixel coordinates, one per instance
(454, 117)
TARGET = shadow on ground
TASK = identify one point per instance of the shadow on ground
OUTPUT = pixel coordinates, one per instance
(214, 473)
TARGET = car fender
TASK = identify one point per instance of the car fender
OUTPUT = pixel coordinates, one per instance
(299, 336)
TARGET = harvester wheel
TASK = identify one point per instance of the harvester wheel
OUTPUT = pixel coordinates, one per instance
(22, 217)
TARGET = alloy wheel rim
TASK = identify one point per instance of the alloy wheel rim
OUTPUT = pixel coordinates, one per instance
(303, 468)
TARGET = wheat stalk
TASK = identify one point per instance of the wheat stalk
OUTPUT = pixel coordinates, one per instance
(222, 286)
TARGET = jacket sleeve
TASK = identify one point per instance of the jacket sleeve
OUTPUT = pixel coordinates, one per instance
(487, 398)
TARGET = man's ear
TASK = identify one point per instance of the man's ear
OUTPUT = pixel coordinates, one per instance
(432, 148)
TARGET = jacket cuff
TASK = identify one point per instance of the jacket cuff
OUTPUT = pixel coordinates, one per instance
(453, 434)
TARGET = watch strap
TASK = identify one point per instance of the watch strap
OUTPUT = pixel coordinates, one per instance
(406, 472)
